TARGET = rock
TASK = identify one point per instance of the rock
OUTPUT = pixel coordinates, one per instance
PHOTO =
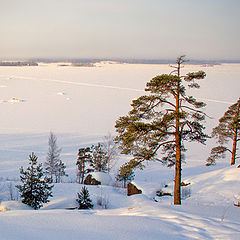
(103, 177)
(132, 189)
(89, 180)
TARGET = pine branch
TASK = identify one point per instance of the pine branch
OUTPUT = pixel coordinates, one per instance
(197, 111)
(164, 143)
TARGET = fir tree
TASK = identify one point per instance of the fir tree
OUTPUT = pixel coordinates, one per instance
(162, 120)
(84, 157)
(227, 130)
(35, 189)
(83, 200)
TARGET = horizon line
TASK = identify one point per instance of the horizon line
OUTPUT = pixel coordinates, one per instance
(120, 59)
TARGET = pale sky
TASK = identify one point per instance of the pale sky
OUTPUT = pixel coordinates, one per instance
(153, 29)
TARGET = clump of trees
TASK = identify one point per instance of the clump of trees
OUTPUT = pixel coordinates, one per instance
(54, 165)
(35, 189)
(162, 120)
(98, 158)
(228, 130)
(91, 159)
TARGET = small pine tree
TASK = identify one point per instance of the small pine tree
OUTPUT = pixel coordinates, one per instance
(126, 173)
(83, 200)
(35, 189)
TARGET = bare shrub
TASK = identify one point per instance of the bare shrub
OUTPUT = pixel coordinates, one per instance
(186, 192)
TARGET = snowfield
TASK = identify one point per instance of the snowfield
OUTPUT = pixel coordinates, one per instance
(80, 105)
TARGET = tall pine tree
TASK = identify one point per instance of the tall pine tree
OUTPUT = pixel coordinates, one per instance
(35, 189)
(227, 130)
(162, 120)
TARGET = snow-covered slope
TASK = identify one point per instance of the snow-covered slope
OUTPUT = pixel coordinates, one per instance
(207, 214)
(220, 187)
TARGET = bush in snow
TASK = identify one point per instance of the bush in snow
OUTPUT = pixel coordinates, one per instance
(35, 189)
(103, 200)
(185, 192)
(83, 200)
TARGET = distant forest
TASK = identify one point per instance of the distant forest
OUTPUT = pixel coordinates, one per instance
(86, 61)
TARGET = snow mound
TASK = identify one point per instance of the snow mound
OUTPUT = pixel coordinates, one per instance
(220, 187)
(13, 205)
(104, 178)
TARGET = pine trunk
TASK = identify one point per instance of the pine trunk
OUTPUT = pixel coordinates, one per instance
(83, 170)
(234, 149)
(108, 164)
(51, 170)
(177, 184)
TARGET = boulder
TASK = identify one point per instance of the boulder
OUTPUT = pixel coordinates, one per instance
(103, 177)
(89, 180)
(132, 189)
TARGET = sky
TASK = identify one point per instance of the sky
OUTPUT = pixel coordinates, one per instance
(134, 29)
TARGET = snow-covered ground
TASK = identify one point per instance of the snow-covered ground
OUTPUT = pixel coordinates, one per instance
(80, 105)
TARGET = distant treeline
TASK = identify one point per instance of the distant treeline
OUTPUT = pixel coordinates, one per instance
(92, 61)
(18, 64)
(130, 61)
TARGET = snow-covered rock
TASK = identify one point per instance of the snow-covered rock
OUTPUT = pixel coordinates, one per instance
(104, 178)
